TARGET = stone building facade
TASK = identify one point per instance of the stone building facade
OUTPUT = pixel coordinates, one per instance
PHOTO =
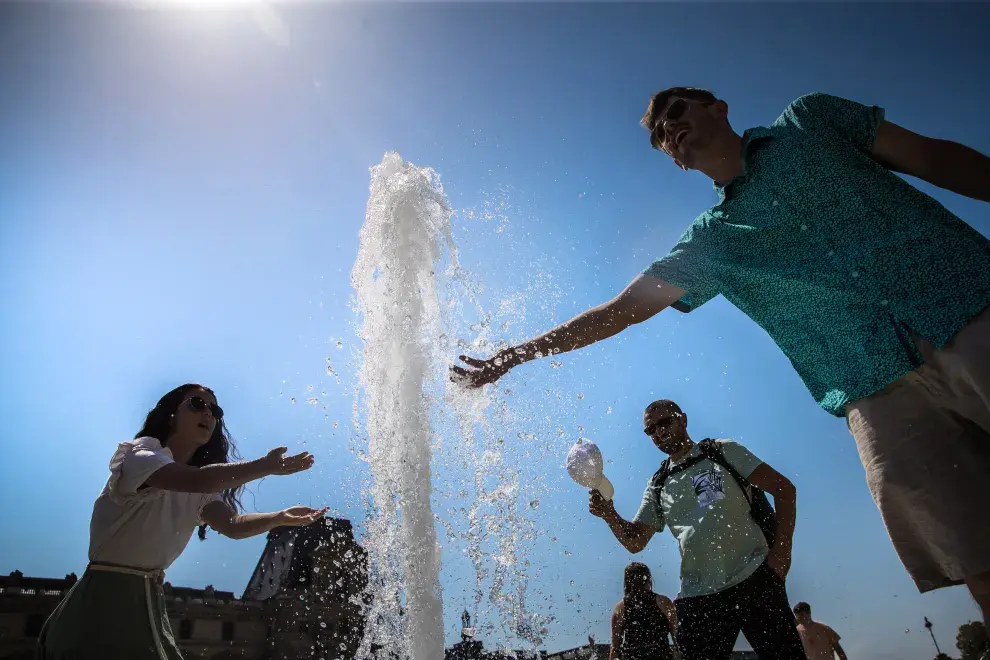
(303, 601)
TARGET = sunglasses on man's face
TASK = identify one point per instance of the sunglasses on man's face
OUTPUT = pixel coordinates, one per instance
(661, 423)
(674, 112)
(199, 404)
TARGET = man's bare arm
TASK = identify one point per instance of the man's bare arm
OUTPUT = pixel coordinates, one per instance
(784, 495)
(645, 297)
(942, 163)
(834, 641)
(632, 535)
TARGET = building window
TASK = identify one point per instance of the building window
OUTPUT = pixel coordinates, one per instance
(228, 631)
(185, 629)
(33, 625)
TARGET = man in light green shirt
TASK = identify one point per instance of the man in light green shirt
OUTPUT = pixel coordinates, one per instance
(732, 577)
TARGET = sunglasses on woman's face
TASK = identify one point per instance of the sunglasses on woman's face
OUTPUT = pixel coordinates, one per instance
(199, 404)
(661, 423)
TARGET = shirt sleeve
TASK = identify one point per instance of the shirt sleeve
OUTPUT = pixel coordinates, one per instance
(650, 512)
(739, 457)
(852, 121)
(690, 266)
(133, 463)
(208, 498)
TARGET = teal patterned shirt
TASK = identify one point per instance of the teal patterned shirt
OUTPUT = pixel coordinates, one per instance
(832, 254)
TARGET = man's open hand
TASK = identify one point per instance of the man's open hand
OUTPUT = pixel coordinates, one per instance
(478, 373)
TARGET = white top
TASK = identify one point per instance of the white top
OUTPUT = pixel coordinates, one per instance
(147, 529)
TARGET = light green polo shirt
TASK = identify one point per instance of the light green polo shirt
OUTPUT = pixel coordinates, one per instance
(709, 515)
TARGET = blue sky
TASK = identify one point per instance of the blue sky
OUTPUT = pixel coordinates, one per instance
(180, 196)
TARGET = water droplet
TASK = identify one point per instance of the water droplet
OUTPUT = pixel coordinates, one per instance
(340, 344)
(608, 411)
(580, 395)
(555, 365)
(535, 504)
(292, 400)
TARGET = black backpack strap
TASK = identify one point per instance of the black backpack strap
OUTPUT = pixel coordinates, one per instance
(711, 451)
(660, 476)
(665, 472)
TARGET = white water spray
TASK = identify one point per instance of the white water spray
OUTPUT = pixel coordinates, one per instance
(407, 225)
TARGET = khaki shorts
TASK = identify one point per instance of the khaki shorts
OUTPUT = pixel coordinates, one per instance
(925, 443)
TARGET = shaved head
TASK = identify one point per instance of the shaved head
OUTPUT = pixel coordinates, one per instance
(663, 406)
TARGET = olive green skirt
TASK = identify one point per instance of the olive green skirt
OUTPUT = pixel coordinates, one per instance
(109, 616)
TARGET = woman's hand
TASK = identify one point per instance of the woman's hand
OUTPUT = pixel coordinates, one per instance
(300, 516)
(276, 462)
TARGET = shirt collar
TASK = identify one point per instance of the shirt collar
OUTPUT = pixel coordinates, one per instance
(750, 138)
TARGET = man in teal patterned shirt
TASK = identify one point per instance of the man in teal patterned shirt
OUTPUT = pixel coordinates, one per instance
(878, 295)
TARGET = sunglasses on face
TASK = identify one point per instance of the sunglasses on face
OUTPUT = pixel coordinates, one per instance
(199, 404)
(661, 423)
(674, 112)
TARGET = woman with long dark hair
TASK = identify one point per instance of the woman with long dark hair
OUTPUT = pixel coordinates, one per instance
(642, 620)
(178, 473)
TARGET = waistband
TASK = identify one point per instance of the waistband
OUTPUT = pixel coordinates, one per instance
(155, 575)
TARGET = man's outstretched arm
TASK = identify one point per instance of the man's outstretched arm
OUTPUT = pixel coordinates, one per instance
(645, 297)
(942, 163)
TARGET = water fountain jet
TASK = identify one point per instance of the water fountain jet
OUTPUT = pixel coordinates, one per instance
(402, 241)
